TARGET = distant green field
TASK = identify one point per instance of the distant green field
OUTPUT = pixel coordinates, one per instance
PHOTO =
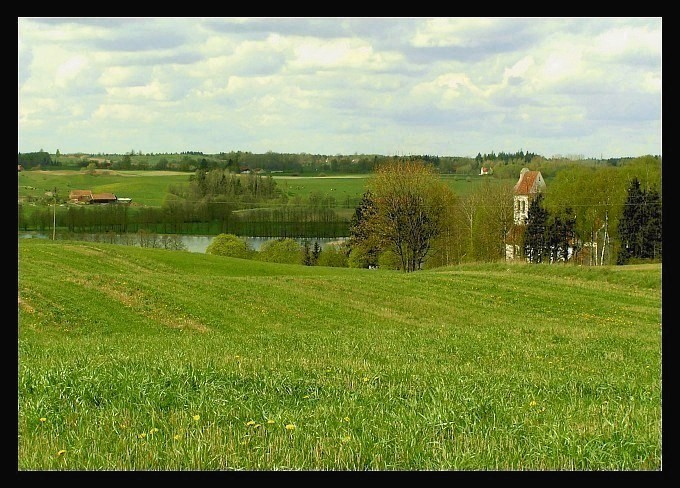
(150, 187)
(146, 359)
(144, 187)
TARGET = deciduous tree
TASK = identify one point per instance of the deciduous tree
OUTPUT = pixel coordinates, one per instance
(229, 245)
(410, 200)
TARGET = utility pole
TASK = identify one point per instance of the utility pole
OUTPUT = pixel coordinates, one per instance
(54, 218)
(606, 237)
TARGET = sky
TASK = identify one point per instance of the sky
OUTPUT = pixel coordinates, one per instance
(446, 86)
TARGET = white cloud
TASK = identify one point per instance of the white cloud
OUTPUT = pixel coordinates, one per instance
(433, 85)
(519, 69)
(126, 112)
(441, 32)
(335, 54)
(627, 40)
(69, 70)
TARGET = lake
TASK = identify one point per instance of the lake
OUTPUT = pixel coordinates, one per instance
(198, 243)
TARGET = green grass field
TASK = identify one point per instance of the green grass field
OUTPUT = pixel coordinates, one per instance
(144, 187)
(146, 359)
(150, 187)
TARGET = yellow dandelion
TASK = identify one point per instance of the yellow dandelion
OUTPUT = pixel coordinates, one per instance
(250, 422)
(153, 430)
(176, 437)
(365, 380)
(346, 419)
(61, 452)
(142, 435)
(290, 427)
(346, 439)
(43, 419)
(270, 421)
(197, 418)
(533, 403)
(306, 396)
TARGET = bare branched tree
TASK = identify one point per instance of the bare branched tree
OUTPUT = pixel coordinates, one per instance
(410, 200)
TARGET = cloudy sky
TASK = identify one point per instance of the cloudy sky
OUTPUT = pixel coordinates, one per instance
(368, 85)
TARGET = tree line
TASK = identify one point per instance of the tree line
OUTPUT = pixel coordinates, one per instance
(298, 163)
(213, 202)
(588, 216)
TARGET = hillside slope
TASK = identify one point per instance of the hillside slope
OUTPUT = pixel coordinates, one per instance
(473, 367)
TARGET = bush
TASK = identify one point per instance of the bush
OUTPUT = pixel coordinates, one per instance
(332, 255)
(389, 260)
(281, 251)
(358, 258)
(229, 245)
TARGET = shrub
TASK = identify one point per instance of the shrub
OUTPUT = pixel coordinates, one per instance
(389, 260)
(229, 245)
(332, 255)
(281, 251)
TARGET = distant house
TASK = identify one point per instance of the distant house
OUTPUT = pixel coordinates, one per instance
(123, 200)
(80, 196)
(485, 171)
(86, 196)
(103, 198)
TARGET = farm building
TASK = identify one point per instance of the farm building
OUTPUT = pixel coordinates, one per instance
(80, 196)
(103, 198)
(86, 196)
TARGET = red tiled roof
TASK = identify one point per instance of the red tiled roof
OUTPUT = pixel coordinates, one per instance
(526, 182)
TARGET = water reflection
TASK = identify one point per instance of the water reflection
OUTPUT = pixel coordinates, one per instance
(193, 243)
(201, 243)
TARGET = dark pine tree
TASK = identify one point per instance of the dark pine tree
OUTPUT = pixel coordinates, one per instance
(535, 242)
(640, 225)
(554, 238)
(306, 255)
(316, 251)
(360, 234)
(568, 233)
(652, 228)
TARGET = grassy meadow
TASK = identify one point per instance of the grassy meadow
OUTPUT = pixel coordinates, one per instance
(146, 359)
(144, 187)
(151, 187)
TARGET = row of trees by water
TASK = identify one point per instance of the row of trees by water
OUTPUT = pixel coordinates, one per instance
(408, 218)
(213, 202)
